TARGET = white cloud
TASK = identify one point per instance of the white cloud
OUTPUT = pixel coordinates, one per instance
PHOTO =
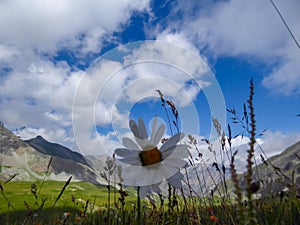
(43, 25)
(243, 28)
(37, 92)
(56, 136)
(8, 53)
(276, 142)
(92, 42)
(97, 144)
(144, 85)
(284, 79)
(40, 89)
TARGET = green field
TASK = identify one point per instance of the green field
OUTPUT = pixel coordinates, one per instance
(20, 191)
(18, 201)
(85, 203)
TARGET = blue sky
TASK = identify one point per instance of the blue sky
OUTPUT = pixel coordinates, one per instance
(47, 50)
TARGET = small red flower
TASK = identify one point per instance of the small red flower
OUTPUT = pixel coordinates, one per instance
(213, 218)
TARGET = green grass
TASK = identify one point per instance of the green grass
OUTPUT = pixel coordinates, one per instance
(77, 198)
(193, 211)
(19, 191)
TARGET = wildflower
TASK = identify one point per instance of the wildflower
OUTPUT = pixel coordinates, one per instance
(66, 215)
(77, 218)
(213, 218)
(147, 163)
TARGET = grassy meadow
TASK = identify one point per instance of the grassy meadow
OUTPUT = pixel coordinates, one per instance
(19, 191)
(84, 203)
(24, 202)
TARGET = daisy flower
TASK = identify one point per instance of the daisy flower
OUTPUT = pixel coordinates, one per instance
(146, 163)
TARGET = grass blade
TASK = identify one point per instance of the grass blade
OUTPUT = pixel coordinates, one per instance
(62, 191)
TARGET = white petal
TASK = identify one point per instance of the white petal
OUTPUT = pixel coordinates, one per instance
(142, 129)
(156, 138)
(127, 142)
(175, 180)
(142, 142)
(148, 176)
(134, 128)
(174, 162)
(153, 129)
(143, 176)
(172, 141)
(133, 161)
(177, 151)
(129, 176)
(147, 189)
(167, 152)
(154, 124)
(156, 188)
(124, 152)
(167, 171)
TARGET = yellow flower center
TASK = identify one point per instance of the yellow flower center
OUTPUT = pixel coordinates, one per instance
(150, 157)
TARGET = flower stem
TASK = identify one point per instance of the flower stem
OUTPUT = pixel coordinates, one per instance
(108, 203)
(138, 206)
(170, 197)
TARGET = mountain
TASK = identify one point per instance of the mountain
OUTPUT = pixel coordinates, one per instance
(279, 170)
(16, 157)
(30, 160)
(53, 149)
(276, 174)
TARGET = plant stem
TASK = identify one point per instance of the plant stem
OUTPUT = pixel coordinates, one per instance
(108, 202)
(250, 214)
(138, 206)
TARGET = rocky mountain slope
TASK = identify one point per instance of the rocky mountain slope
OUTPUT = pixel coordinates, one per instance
(30, 160)
(277, 173)
(280, 169)
(53, 149)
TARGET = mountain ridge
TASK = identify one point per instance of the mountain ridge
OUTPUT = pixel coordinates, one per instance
(280, 169)
(54, 149)
(30, 160)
